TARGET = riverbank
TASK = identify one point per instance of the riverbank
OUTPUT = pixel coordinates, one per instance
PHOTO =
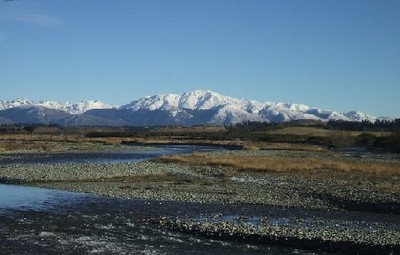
(318, 192)
(153, 179)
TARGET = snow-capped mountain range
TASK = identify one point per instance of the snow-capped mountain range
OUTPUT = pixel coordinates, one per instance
(73, 108)
(190, 108)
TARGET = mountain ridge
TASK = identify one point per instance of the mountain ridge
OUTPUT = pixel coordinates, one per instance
(190, 108)
(73, 108)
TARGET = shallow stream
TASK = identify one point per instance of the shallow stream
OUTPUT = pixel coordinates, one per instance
(42, 221)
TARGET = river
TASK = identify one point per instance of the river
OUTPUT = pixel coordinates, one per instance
(42, 221)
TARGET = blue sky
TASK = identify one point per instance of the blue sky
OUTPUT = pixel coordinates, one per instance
(338, 55)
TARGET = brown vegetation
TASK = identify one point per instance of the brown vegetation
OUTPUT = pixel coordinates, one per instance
(323, 132)
(302, 138)
(284, 164)
(395, 141)
(194, 129)
(341, 139)
(53, 143)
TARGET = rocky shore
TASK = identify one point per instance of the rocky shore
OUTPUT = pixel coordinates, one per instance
(322, 189)
(374, 198)
(337, 238)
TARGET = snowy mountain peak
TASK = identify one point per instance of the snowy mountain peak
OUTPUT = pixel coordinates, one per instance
(83, 106)
(73, 108)
(202, 100)
(224, 109)
(156, 102)
(15, 103)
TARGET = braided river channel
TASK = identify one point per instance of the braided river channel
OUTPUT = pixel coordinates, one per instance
(44, 221)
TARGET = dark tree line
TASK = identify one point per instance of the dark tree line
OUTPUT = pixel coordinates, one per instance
(21, 128)
(378, 125)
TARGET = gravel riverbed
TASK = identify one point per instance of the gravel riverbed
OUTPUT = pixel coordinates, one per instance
(375, 199)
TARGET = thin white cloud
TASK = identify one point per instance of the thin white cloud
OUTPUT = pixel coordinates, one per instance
(21, 14)
(35, 19)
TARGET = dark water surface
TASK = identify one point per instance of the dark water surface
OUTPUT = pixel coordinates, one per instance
(41, 221)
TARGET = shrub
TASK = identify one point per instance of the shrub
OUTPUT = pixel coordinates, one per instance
(341, 139)
(394, 141)
(366, 139)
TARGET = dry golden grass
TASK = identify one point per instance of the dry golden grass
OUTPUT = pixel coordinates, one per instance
(320, 132)
(305, 131)
(284, 164)
(249, 145)
(188, 130)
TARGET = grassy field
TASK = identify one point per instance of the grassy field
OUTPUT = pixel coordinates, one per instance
(285, 164)
(276, 138)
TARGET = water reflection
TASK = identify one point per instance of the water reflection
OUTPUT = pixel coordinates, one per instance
(133, 155)
(20, 197)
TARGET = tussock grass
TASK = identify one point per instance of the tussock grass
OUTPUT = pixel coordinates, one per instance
(284, 164)
(304, 131)
(320, 132)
